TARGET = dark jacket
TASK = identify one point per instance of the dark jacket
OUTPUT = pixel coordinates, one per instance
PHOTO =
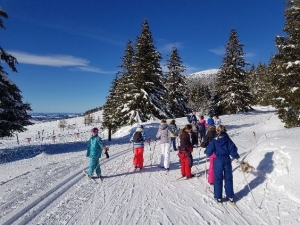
(185, 142)
(208, 138)
(222, 146)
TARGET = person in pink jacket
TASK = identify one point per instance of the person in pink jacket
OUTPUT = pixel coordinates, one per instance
(202, 124)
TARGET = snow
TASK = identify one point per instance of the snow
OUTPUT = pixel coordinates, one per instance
(211, 73)
(42, 181)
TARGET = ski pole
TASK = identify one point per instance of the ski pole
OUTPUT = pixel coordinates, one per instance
(199, 156)
(250, 189)
(205, 173)
(149, 141)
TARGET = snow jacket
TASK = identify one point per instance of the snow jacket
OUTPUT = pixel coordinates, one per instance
(222, 145)
(173, 130)
(217, 122)
(95, 147)
(210, 121)
(210, 135)
(185, 143)
(202, 124)
(141, 143)
(192, 118)
(163, 133)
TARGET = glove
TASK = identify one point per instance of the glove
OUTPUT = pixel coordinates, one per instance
(237, 161)
(106, 154)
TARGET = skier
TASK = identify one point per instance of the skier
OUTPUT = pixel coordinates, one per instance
(192, 117)
(223, 147)
(173, 134)
(165, 143)
(202, 127)
(210, 121)
(94, 151)
(210, 135)
(138, 139)
(217, 121)
(195, 130)
(185, 151)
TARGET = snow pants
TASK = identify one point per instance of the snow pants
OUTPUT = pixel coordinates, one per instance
(173, 142)
(201, 135)
(165, 155)
(185, 163)
(94, 164)
(138, 159)
(223, 170)
(211, 175)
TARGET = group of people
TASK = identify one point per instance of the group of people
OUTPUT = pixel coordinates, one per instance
(212, 136)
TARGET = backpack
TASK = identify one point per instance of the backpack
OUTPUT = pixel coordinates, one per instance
(137, 137)
(201, 126)
(195, 127)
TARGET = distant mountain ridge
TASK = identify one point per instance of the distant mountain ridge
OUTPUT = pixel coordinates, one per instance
(207, 74)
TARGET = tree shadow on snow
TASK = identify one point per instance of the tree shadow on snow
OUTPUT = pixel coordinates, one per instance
(30, 151)
(265, 167)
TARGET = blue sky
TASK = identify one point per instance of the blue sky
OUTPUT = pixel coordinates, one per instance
(69, 50)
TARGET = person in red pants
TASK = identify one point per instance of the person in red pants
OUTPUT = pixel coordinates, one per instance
(138, 139)
(185, 151)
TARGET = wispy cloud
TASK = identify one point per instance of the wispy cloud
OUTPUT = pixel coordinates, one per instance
(57, 61)
(217, 51)
(221, 51)
(167, 48)
(189, 69)
(250, 55)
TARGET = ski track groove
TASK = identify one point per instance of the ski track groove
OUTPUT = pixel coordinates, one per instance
(127, 189)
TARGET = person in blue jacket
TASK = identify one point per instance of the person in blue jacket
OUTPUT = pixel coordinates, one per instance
(223, 147)
(94, 151)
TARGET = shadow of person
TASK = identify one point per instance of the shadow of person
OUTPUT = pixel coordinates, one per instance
(266, 166)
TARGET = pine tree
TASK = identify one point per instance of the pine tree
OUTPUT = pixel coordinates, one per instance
(232, 89)
(148, 93)
(285, 67)
(175, 83)
(117, 111)
(13, 112)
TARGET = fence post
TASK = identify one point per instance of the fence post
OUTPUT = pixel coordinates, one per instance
(109, 132)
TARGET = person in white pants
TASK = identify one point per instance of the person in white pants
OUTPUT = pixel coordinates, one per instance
(165, 143)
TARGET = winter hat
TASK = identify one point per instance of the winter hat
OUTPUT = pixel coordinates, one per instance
(95, 130)
(163, 121)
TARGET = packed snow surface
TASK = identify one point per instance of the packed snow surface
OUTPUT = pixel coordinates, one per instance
(42, 179)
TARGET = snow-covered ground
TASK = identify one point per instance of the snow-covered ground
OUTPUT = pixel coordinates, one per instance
(42, 181)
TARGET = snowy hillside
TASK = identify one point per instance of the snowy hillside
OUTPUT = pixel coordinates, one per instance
(42, 181)
(205, 74)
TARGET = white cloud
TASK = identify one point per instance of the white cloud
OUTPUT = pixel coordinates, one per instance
(217, 51)
(56, 61)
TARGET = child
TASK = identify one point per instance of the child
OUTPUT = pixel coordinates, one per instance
(173, 134)
(217, 121)
(94, 151)
(210, 121)
(210, 135)
(164, 134)
(138, 139)
(202, 127)
(185, 151)
(223, 147)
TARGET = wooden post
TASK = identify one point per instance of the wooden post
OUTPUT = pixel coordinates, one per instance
(109, 132)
